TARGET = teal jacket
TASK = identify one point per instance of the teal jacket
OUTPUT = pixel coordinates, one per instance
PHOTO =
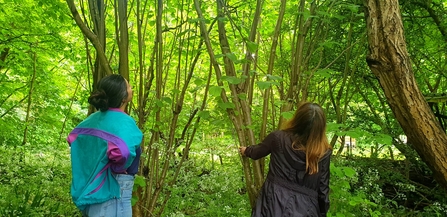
(103, 143)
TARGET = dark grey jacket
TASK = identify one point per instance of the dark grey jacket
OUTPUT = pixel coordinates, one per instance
(288, 190)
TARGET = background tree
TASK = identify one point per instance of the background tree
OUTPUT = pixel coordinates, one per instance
(389, 61)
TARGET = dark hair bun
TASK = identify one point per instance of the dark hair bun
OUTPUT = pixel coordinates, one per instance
(99, 99)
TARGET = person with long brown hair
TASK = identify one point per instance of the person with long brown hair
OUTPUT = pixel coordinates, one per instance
(297, 182)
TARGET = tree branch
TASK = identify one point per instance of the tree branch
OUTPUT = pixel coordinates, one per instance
(91, 37)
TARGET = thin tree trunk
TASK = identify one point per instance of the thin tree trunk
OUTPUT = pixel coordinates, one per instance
(155, 176)
(95, 39)
(237, 120)
(268, 92)
(11, 94)
(30, 94)
(271, 63)
(69, 108)
(14, 106)
(137, 209)
(302, 27)
(123, 42)
(243, 116)
(342, 108)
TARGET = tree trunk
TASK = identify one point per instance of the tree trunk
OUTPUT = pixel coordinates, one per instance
(123, 39)
(28, 109)
(389, 61)
(95, 39)
(293, 92)
(62, 134)
(155, 182)
(268, 92)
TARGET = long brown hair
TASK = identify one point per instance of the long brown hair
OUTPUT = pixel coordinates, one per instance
(308, 127)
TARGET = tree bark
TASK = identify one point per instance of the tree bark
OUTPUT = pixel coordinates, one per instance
(239, 115)
(389, 61)
(123, 39)
(155, 182)
(93, 38)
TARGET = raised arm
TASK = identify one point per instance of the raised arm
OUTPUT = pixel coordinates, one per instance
(260, 150)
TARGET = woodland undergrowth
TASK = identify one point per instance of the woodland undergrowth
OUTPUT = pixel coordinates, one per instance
(37, 184)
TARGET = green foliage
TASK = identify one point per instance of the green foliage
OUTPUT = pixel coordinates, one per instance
(233, 79)
(215, 91)
(30, 202)
(346, 201)
(138, 183)
(36, 186)
(35, 181)
(252, 46)
(366, 187)
(206, 191)
(211, 184)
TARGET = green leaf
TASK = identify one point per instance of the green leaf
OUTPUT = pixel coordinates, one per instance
(383, 139)
(334, 127)
(226, 105)
(215, 91)
(242, 96)
(232, 79)
(198, 81)
(204, 114)
(219, 56)
(353, 203)
(252, 47)
(232, 57)
(193, 20)
(275, 78)
(159, 103)
(345, 184)
(176, 91)
(325, 73)
(167, 99)
(354, 133)
(222, 19)
(253, 72)
(263, 84)
(339, 214)
(349, 172)
(337, 172)
(134, 200)
(354, 8)
(139, 181)
(248, 127)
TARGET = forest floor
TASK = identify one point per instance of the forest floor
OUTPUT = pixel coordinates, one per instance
(37, 184)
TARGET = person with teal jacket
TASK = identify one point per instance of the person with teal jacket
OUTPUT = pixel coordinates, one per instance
(105, 152)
